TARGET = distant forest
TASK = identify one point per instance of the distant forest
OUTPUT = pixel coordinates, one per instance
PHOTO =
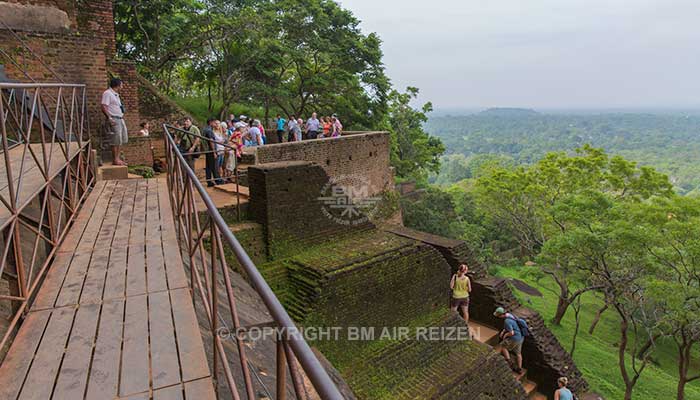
(668, 142)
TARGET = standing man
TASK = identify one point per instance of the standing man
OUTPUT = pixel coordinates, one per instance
(313, 125)
(189, 143)
(280, 128)
(511, 338)
(209, 147)
(291, 125)
(113, 110)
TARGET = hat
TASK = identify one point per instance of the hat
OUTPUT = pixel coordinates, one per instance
(242, 117)
(499, 311)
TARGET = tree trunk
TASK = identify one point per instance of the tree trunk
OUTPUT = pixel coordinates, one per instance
(621, 358)
(209, 105)
(596, 319)
(647, 346)
(684, 347)
(562, 306)
(577, 313)
(682, 372)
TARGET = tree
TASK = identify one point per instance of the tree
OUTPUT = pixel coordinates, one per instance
(294, 56)
(159, 35)
(414, 153)
(320, 61)
(610, 249)
(673, 232)
(549, 204)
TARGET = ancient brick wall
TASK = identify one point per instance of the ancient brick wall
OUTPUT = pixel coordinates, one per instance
(488, 378)
(455, 252)
(397, 286)
(96, 17)
(543, 356)
(75, 58)
(363, 157)
(284, 198)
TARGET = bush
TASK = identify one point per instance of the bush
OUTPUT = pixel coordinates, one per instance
(143, 170)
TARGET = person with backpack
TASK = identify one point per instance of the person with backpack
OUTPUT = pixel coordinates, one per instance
(512, 337)
(563, 393)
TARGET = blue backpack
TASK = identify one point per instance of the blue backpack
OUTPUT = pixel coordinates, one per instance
(522, 325)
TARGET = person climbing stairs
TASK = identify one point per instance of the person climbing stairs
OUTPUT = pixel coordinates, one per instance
(489, 336)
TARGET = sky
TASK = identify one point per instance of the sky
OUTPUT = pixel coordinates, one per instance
(542, 54)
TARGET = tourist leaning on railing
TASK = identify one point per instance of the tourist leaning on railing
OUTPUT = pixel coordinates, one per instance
(209, 148)
(188, 143)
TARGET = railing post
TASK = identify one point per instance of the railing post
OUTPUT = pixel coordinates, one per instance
(281, 370)
(214, 309)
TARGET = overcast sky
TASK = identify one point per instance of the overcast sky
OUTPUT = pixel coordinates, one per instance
(541, 53)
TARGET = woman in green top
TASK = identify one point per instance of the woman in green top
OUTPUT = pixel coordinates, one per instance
(461, 287)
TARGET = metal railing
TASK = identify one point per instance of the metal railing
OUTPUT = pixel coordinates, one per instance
(46, 170)
(185, 189)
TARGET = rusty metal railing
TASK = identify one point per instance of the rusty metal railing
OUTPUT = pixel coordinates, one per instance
(185, 191)
(46, 171)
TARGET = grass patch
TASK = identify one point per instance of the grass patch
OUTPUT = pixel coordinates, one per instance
(596, 355)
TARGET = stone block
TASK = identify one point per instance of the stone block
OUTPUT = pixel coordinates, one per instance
(112, 172)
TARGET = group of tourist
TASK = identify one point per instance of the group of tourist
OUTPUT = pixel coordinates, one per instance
(314, 128)
(222, 142)
(511, 337)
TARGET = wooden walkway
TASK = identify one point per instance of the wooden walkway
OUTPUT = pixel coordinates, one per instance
(114, 317)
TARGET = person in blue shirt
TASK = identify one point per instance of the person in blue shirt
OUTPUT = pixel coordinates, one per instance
(563, 393)
(280, 128)
(511, 338)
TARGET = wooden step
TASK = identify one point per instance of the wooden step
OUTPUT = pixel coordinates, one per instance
(528, 385)
(483, 333)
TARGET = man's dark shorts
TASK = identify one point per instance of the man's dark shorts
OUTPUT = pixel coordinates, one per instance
(457, 303)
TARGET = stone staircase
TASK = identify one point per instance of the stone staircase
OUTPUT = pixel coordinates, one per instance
(489, 336)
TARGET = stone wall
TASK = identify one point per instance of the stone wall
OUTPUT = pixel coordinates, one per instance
(446, 370)
(376, 279)
(364, 158)
(75, 58)
(284, 198)
(455, 252)
(543, 356)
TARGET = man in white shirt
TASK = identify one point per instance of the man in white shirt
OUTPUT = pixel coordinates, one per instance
(113, 109)
(313, 125)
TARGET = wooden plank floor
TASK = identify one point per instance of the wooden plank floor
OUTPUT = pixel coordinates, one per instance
(114, 317)
(27, 176)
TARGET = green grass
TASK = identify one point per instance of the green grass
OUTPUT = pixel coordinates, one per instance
(596, 355)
